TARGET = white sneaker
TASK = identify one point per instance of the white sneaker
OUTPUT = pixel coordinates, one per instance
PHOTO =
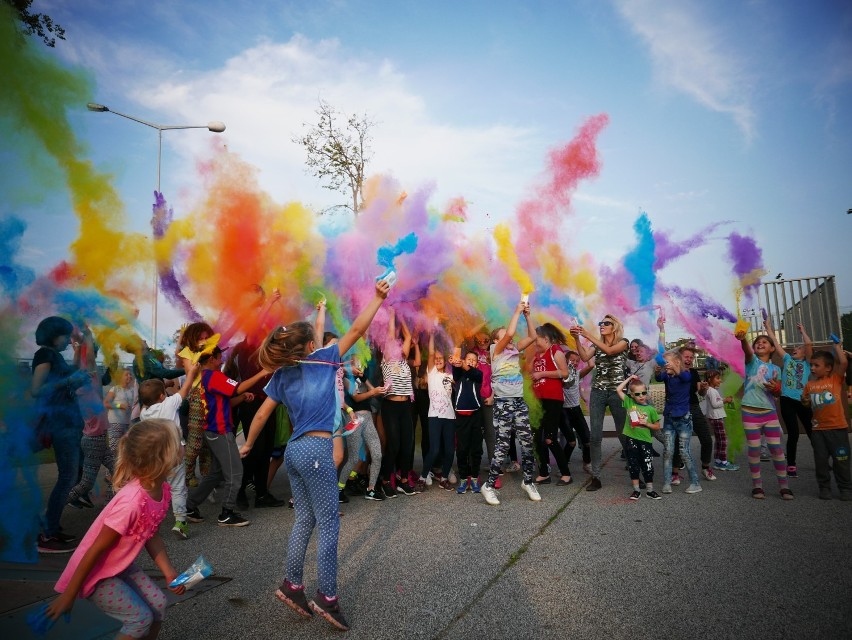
(708, 474)
(532, 491)
(452, 478)
(490, 494)
(428, 479)
(694, 488)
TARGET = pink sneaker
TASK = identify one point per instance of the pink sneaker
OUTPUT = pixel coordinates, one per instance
(498, 483)
(675, 479)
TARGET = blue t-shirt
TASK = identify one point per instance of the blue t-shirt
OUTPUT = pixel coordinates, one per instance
(795, 374)
(677, 392)
(758, 373)
(309, 391)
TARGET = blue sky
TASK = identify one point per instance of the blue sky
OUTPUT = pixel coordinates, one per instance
(730, 110)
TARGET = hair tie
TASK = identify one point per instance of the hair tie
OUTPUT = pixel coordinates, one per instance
(283, 328)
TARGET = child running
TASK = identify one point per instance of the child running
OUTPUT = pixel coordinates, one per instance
(641, 418)
(157, 405)
(714, 406)
(829, 436)
(305, 380)
(102, 568)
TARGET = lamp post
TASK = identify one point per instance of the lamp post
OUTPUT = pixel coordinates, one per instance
(214, 126)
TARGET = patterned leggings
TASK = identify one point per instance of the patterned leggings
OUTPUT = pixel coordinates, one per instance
(720, 445)
(116, 430)
(196, 446)
(509, 414)
(133, 599)
(757, 421)
(313, 481)
(639, 458)
(368, 435)
(95, 453)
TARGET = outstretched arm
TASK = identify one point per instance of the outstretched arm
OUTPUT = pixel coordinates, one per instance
(767, 327)
(319, 323)
(362, 322)
(510, 329)
(749, 354)
(406, 339)
(430, 358)
(523, 343)
(807, 342)
(840, 359)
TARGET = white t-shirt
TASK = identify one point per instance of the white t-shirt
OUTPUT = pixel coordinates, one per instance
(713, 405)
(440, 394)
(168, 409)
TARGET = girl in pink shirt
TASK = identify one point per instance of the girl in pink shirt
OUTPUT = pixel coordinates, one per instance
(102, 568)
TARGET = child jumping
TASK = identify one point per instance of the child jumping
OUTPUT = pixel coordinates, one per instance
(305, 379)
(641, 418)
(102, 568)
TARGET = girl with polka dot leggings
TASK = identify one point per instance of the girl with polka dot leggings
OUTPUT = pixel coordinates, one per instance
(305, 380)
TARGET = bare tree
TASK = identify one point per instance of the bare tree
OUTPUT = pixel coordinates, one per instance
(338, 155)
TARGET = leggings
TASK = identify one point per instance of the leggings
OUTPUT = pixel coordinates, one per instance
(313, 481)
(488, 429)
(66, 451)
(765, 421)
(115, 431)
(95, 453)
(511, 414)
(442, 433)
(196, 447)
(574, 422)
(256, 463)
(793, 412)
(720, 447)
(368, 436)
(399, 438)
(468, 430)
(133, 599)
(549, 431)
(639, 458)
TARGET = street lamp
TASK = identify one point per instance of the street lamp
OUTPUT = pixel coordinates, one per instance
(214, 126)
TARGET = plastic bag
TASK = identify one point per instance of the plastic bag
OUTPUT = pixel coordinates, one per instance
(40, 623)
(196, 572)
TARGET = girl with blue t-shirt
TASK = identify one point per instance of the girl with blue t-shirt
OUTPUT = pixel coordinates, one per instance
(305, 380)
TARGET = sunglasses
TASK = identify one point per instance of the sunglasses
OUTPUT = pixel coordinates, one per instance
(639, 393)
(604, 323)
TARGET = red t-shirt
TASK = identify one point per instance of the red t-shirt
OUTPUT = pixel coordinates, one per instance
(218, 390)
(547, 388)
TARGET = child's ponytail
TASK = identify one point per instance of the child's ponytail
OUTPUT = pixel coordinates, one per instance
(285, 346)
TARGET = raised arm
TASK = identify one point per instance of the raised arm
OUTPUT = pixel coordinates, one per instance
(510, 329)
(767, 327)
(840, 359)
(362, 322)
(430, 357)
(807, 343)
(620, 388)
(749, 354)
(406, 338)
(523, 343)
(319, 323)
(415, 363)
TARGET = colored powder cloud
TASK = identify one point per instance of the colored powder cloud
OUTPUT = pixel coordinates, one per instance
(639, 263)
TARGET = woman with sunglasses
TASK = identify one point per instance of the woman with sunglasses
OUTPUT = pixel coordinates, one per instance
(609, 351)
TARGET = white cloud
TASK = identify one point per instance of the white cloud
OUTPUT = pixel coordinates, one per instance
(690, 54)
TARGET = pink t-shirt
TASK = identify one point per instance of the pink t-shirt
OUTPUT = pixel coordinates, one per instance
(132, 513)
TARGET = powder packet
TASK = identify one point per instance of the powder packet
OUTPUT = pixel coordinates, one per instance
(196, 572)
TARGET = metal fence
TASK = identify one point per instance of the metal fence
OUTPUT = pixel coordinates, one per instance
(810, 301)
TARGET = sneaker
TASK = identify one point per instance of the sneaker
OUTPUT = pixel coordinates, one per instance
(594, 485)
(681, 466)
(490, 494)
(792, 472)
(445, 484)
(725, 465)
(267, 501)
(452, 477)
(532, 491)
(229, 518)
(708, 474)
(824, 493)
(694, 488)
(786, 494)
(428, 479)
(667, 488)
(474, 485)
(498, 483)
(764, 455)
(242, 499)
(65, 537)
(181, 530)
(329, 610)
(76, 503)
(372, 494)
(388, 490)
(462, 488)
(403, 488)
(419, 486)
(250, 487)
(635, 495)
(53, 545)
(87, 501)
(758, 493)
(513, 467)
(342, 498)
(294, 598)
(675, 479)
(194, 515)
(654, 495)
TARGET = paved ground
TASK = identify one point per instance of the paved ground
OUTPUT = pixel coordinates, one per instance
(579, 564)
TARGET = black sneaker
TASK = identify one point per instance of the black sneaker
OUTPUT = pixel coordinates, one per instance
(268, 500)
(594, 485)
(229, 518)
(342, 498)
(402, 487)
(65, 537)
(372, 494)
(52, 545)
(329, 610)
(194, 515)
(295, 599)
(242, 499)
(388, 490)
(654, 495)
(635, 495)
(76, 503)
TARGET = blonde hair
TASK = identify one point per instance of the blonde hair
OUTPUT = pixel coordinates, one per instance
(148, 451)
(285, 346)
(617, 329)
(674, 358)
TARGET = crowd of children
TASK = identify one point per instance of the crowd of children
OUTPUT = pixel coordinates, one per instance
(353, 427)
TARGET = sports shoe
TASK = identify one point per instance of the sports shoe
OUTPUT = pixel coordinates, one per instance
(490, 494)
(498, 483)
(342, 498)
(291, 504)
(403, 488)
(445, 484)
(181, 530)
(419, 486)
(792, 472)
(758, 493)
(242, 499)
(53, 545)
(388, 490)
(653, 495)
(294, 598)
(462, 488)
(824, 493)
(428, 479)
(230, 518)
(372, 494)
(681, 466)
(513, 467)
(532, 491)
(667, 488)
(675, 479)
(77, 503)
(694, 488)
(329, 610)
(708, 473)
(474, 485)
(725, 465)
(635, 495)
(87, 501)
(194, 515)
(452, 477)
(786, 494)
(65, 537)
(250, 487)
(594, 485)
(267, 501)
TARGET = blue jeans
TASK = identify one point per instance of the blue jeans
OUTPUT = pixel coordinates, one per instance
(683, 427)
(67, 452)
(598, 402)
